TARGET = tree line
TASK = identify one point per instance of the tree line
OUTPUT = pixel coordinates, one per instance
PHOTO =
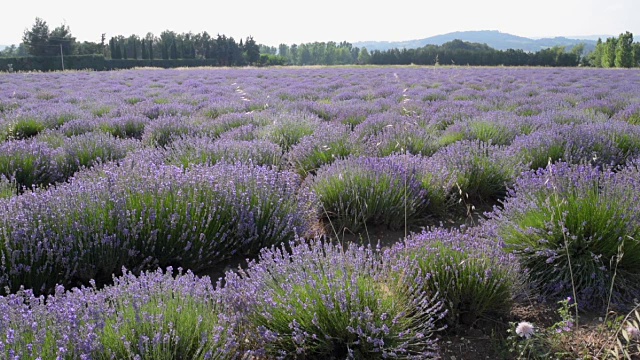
(223, 50)
(220, 50)
(458, 52)
(620, 52)
(172, 46)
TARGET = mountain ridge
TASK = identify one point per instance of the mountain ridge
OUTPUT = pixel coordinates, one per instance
(493, 38)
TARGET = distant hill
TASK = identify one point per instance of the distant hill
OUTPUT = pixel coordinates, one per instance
(3, 46)
(493, 38)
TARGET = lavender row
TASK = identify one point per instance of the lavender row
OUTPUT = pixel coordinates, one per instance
(140, 215)
(306, 299)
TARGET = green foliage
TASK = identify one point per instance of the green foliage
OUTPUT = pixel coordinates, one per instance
(8, 188)
(37, 38)
(491, 132)
(627, 344)
(87, 150)
(481, 172)
(28, 164)
(252, 50)
(24, 128)
(308, 156)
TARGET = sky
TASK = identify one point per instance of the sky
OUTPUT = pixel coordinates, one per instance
(272, 22)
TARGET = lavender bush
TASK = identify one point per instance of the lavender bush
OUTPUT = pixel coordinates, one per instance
(188, 151)
(472, 275)
(29, 163)
(83, 151)
(359, 191)
(164, 130)
(322, 301)
(575, 227)
(288, 129)
(405, 137)
(157, 315)
(125, 127)
(481, 172)
(24, 128)
(80, 126)
(328, 143)
(599, 144)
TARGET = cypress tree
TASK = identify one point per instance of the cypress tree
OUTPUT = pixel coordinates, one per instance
(609, 53)
(174, 50)
(112, 48)
(135, 49)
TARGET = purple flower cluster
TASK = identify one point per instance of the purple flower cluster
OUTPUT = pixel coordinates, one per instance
(598, 144)
(87, 150)
(164, 130)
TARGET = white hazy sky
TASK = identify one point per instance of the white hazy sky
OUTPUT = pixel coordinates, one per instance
(273, 22)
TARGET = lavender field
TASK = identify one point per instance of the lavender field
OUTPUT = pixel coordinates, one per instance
(510, 184)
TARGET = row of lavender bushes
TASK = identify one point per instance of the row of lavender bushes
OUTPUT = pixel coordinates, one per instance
(307, 299)
(304, 148)
(140, 214)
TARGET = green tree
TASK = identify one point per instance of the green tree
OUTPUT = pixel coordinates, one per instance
(145, 50)
(577, 51)
(364, 57)
(150, 40)
(132, 43)
(330, 54)
(112, 48)
(636, 54)
(167, 38)
(293, 54)
(87, 48)
(173, 50)
(595, 58)
(251, 50)
(60, 38)
(9, 51)
(283, 50)
(609, 53)
(624, 51)
(305, 55)
(36, 39)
